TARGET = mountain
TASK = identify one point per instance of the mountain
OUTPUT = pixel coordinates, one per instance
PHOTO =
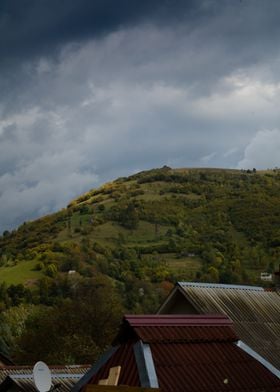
(159, 225)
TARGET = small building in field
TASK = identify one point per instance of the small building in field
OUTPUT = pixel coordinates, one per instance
(179, 353)
(266, 277)
(254, 311)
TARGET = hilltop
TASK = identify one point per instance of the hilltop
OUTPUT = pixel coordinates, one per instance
(162, 224)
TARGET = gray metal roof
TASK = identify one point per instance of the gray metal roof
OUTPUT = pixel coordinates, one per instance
(254, 311)
(220, 286)
(64, 377)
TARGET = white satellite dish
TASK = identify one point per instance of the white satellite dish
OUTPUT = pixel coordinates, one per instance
(42, 377)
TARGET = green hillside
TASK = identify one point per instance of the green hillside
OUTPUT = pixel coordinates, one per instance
(127, 242)
(163, 224)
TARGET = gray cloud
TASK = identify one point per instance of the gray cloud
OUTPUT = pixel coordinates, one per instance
(262, 151)
(194, 90)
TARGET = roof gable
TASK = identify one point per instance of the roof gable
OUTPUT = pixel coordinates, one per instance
(254, 312)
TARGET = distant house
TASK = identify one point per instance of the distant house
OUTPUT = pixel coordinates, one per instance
(266, 277)
(254, 311)
(20, 378)
(187, 353)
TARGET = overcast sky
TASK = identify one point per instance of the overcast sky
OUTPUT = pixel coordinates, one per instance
(91, 90)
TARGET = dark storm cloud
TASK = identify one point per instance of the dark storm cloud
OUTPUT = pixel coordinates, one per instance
(38, 26)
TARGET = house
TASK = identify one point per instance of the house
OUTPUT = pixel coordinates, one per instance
(266, 277)
(20, 378)
(254, 311)
(180, 353)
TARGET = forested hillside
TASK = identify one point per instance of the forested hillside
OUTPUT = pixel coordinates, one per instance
(133, 238)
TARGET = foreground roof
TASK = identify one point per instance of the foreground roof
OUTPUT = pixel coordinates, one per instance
(21, 377)
(254, 311)
(5, 361)
(181, 353)
(176, 329)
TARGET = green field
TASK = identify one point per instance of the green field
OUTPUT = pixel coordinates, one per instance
(23, 272)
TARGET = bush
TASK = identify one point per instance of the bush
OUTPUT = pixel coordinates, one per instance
(51, 270)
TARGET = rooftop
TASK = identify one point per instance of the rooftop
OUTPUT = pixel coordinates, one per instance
(181, 353)
(21, 377)
(177, 320)
(221, 286)
(255, 312)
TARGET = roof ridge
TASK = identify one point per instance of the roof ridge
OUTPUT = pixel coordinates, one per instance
(30, 367)
(220, 286)
(178, 320)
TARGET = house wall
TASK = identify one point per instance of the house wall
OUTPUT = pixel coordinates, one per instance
(178, 304)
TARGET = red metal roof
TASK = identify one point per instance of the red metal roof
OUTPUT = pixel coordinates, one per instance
(209, 367)
(178, 328)
(190, 353)
(181, 367)
(185, 334)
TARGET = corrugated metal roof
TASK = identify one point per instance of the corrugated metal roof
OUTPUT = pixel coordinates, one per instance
(55, 370)
(27, 384)
(177, 320)
(211, 365)
(118, 388)
(175, 328)
(259, 358)
(186, 334)
(255, 313)
(65, 377)
(221, 286)
(5, 361)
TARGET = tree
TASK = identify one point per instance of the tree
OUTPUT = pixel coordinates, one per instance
(51, 270)
(12, 325)
(213, 274)
(75, 331)
(5, 336)
(17, 293)
(129, 217)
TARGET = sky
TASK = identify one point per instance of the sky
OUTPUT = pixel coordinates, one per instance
(92, 90)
